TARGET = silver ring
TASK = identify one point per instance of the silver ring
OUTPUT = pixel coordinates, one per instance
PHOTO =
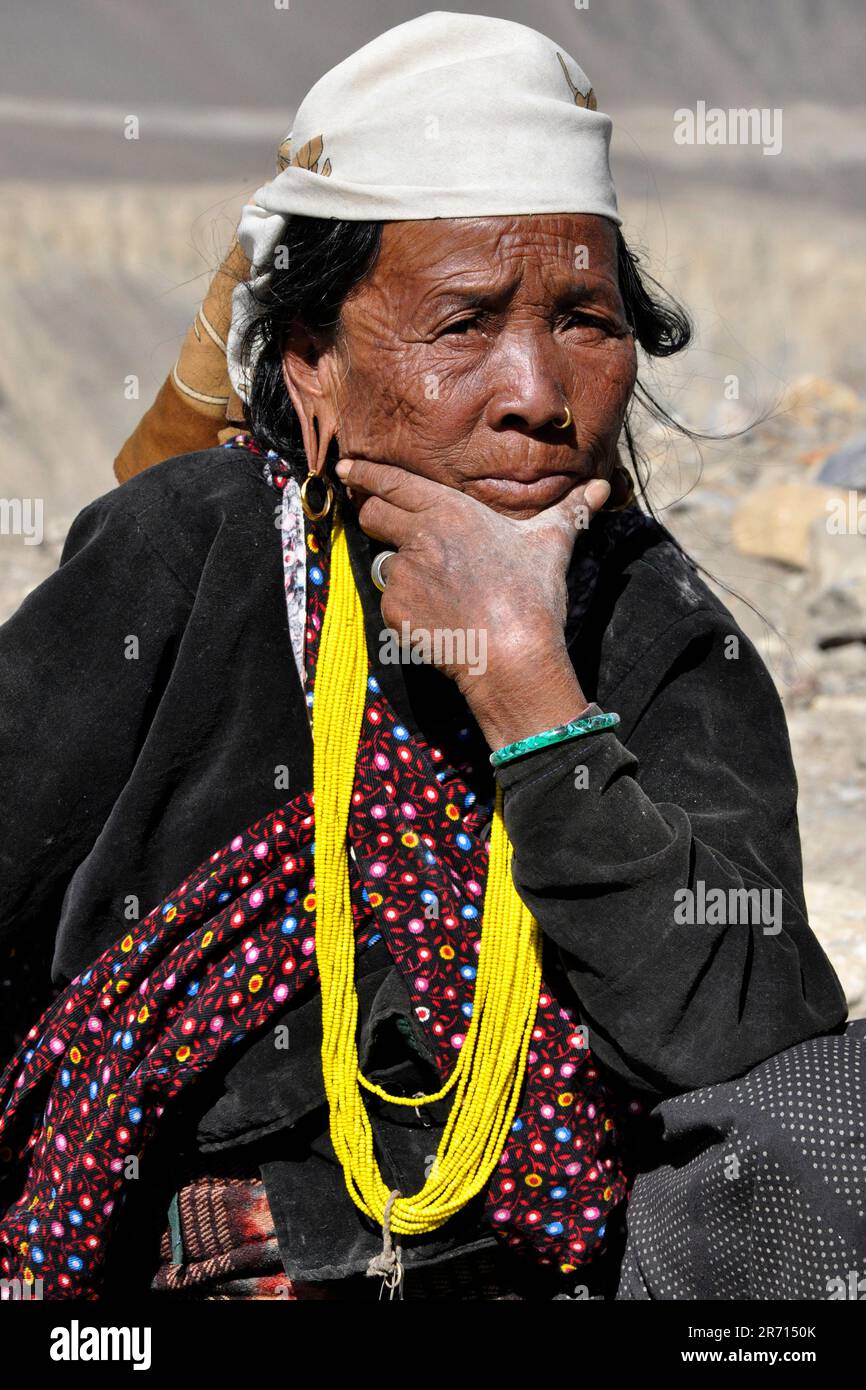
(376, 568)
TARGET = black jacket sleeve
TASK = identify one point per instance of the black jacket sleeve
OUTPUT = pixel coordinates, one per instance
(703, 798)
(82, 662)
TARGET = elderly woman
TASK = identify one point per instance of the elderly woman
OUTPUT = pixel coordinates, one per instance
(418, 829)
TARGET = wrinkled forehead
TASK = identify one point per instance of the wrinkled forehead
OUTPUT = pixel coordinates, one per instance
(550, 248)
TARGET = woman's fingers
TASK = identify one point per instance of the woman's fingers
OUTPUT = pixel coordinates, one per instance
(385, 522)
(395, 485)
(576, 509)
(596, 493)
(391, 501)
(412, 493)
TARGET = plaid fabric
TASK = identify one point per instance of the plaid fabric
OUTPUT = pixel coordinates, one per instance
(219, 1240)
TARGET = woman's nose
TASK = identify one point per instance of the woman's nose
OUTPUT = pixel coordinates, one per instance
(529, 394)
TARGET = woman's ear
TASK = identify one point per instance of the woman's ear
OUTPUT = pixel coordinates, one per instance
(306, 378)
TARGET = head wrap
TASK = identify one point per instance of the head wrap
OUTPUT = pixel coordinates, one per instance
(448, 115)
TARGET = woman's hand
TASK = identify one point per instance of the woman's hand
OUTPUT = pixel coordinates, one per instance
(495, 584)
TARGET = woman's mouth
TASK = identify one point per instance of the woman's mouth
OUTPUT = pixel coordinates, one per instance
(509, 494)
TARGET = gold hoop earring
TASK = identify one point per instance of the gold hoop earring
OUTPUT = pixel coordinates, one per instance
(566, 422)
(622, 488)
(312, 512)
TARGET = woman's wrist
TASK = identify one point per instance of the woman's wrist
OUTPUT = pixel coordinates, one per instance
(525, 695)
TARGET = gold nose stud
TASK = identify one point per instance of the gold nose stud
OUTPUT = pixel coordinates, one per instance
(564, 424)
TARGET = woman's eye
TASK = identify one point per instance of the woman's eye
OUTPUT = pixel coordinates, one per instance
(459, 326)
(589, 326)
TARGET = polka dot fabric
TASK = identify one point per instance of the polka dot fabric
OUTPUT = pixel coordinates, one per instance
(227, 953)
(756, 1189)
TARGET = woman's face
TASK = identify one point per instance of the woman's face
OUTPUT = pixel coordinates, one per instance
(465, 344)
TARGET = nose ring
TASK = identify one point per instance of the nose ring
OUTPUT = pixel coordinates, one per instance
(563, 424)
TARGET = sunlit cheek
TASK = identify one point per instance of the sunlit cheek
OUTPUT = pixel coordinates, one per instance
(439, 403)
(411, 416)
(604, 379)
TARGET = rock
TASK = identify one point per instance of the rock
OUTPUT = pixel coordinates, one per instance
(812, 461)
(846, 467)
(810, 420)
(837, 565)
(810, 400)
(703, 500)
(845, 706)
(836, 558)
(776, 522)
(801, 692)
(837, 618)
(838, 919)
(729, 416)
(843, 667)
(848, 792)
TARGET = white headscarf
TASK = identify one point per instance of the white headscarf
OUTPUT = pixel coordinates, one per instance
(449, 115)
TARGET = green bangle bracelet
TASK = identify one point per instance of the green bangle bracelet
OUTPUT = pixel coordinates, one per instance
(592, 724)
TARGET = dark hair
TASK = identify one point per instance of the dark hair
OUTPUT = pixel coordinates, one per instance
(319, 262)
(322, 261)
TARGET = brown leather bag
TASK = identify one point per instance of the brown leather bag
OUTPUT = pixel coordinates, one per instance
(196, 406)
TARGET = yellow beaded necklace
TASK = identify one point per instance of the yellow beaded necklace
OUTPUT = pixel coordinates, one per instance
(491, 1064)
